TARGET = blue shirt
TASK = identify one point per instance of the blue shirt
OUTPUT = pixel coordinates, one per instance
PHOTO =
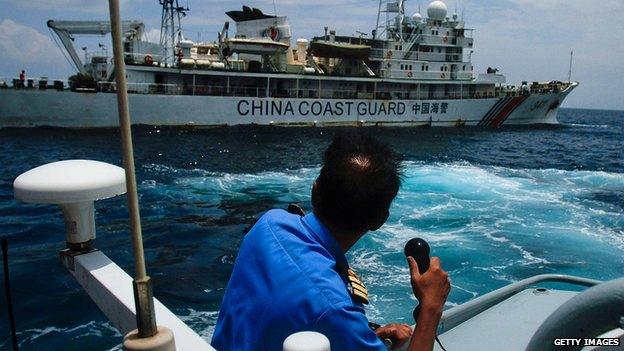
(286, 280)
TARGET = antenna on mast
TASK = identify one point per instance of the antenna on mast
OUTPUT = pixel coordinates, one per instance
(570, 70)
(392, 26)
(377, 25)
(275, 13)
(171, 28)
(463, 10)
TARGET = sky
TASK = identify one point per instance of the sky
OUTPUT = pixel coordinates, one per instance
(527, 39)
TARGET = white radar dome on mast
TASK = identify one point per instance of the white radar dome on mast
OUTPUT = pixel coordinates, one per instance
(417, 17)
(437, 10)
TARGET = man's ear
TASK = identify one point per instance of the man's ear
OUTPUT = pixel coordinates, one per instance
(380, 220)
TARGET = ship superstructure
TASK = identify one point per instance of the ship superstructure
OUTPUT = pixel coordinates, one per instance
(410, 70)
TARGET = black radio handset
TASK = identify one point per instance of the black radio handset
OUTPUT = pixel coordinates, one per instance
(419, 250)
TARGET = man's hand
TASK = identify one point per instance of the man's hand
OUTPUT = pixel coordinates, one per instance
(398, 333)
(432, 287)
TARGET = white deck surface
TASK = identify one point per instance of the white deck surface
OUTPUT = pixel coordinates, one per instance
(506, 326)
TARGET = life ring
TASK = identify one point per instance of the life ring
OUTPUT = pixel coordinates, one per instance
(445, 39)
(389, 54)
(148, 60)
(409, 74)
(272, 33)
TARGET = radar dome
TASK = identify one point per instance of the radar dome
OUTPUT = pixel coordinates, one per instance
(437, 10)
(417, 17)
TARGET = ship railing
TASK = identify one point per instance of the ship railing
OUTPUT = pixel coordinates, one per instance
(447, 40)
(379, 91)
(33, 83)
(382, 93)
(410, 56)
(185, 89)
(443, 39)
(417, 73)
(141, 59)
(101, 55)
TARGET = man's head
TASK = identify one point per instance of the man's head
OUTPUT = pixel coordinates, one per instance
(359, 179)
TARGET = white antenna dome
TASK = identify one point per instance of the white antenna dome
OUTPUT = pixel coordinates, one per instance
(437, 10)
(417, 17)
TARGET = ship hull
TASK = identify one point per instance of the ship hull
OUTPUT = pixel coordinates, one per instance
(36, 108)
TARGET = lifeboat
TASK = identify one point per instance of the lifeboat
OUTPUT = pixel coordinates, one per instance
(331, 49)
(258, 46)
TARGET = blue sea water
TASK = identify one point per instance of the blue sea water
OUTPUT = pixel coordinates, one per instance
(496, 205)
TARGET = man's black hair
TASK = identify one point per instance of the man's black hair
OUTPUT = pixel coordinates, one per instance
(359, 179)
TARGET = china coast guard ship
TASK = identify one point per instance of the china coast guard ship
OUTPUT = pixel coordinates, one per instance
(410, 71)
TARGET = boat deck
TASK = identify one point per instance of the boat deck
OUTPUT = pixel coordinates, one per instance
(508, 325)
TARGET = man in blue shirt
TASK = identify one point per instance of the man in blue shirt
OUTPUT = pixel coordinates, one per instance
(291, 273)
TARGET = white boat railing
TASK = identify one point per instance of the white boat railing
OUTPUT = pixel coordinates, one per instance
(110, 288)
(461, 313)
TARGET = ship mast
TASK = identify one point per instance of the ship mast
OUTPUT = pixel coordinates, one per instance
(393, 25)
(377, 25)
(171, 28)
(570, 70)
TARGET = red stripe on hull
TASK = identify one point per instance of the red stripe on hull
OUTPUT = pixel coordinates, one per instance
(504, 113)
(523, 99)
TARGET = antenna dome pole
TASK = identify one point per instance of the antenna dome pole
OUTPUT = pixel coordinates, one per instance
(147, 336)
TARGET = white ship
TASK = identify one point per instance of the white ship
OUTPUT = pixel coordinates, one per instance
(520, 316)
(410, 71)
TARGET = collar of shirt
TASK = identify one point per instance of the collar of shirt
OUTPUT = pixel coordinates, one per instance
(318, 230)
